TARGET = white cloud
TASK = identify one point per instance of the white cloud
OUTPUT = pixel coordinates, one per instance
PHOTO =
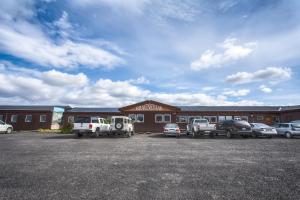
(139, 80)
(208, 88)
(155, 10)
(36, 47)
(236, 93)
(232, 52)
(63, 25)
(265, 89)
(134, 6)
(25, 38)
(272, 74)
(29, 86)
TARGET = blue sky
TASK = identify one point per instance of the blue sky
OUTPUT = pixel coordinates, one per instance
(114, 53)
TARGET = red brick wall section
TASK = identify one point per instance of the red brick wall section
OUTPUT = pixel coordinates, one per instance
(22, 125)
(290, 116)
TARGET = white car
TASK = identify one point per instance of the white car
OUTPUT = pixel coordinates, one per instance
(288, 129)
(260, 129)
(90, 125)
(5, 128)
(121, 125)
(172, 130)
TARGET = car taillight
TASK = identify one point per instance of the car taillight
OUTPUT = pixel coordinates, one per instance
(90, 126)
(165, 130)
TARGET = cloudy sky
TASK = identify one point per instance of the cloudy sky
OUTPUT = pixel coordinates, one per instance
(110, 53)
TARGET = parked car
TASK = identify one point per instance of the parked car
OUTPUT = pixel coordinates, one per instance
(233, 127)
(288, 129)
(260, 129)
(172, 130)
(93, 126)
(5, 128)
(200, 127)
(121, 125)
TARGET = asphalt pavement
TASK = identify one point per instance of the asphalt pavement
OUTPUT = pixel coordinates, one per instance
(51, 166)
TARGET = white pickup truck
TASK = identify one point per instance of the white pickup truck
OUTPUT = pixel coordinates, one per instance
(200, 127)
(93, 126)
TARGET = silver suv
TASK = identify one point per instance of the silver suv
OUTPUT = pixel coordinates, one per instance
(288, 129)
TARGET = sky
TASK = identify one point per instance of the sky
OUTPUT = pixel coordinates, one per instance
(112, 53)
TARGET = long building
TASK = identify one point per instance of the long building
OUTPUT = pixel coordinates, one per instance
(149, 116)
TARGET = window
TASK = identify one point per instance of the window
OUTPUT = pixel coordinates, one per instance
(71, 119)
(244, 118)
(95, 120)
(158, 118)
(228, 117)
(213, 119)
(191, 118)
(136, 117)
(13, 118)
(43, 118)
(181, 119)
(1, 117)
(82, 120)
(132, 117)
(221, 118)
(1, 122)
(162, 118)
(140, 117)
(167, 118)
(260, 118)
(28, 118)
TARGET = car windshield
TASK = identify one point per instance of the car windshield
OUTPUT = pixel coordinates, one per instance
(82, 120)
(201, 121)
(171, 126)
(261, 125)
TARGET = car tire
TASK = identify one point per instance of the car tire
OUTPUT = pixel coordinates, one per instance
(78, 135)
(228, 134)
(128, 134)
(288, 135)
(8, 131)
(211, 134)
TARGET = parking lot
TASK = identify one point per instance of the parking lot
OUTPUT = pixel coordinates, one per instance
(50, 166)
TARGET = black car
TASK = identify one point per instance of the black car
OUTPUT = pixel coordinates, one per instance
(234, 127)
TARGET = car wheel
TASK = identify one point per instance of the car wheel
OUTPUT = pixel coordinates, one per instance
(228, 134)
(128, 134)
(79, 135)
(9, 131)
(211, 134)
(288, 135)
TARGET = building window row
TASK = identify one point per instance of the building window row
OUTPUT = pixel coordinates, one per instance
(137, 117)
(162, 118)
(28, 118)
(211, 119)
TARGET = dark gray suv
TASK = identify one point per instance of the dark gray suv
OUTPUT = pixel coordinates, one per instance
(233, 127)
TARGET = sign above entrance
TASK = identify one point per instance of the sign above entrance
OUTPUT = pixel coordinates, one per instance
(149, 107)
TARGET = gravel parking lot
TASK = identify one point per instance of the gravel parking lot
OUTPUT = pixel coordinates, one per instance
(49, 166)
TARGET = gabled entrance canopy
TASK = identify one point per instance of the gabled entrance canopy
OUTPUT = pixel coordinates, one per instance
(150, 106)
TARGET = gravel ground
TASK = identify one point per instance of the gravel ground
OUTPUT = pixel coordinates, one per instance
(49, 166)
